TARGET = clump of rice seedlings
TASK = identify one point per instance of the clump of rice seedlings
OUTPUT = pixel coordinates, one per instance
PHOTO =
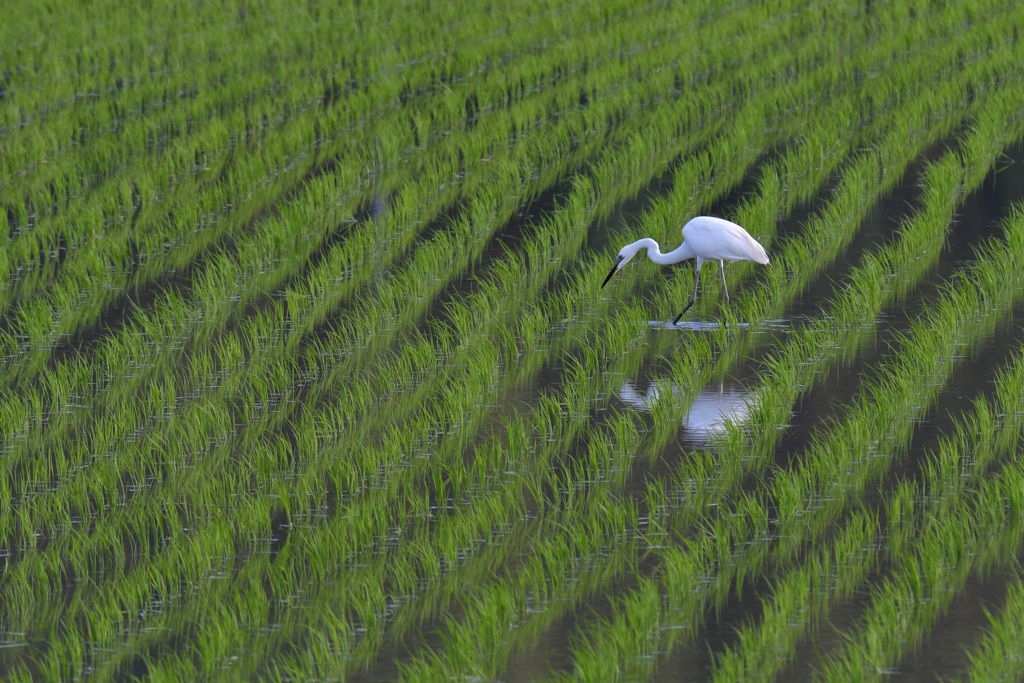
(996, 656)
(972, 536)
(800, 600)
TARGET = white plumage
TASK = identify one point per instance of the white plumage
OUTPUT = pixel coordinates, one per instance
(705, 238)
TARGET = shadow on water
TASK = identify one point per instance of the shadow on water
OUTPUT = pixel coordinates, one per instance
(516, 229)
(877, 229)
(602, 233)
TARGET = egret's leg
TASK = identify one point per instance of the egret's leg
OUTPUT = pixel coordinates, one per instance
(721, 270)
(693, 297)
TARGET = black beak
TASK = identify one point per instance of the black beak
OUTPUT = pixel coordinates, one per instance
(612, 272)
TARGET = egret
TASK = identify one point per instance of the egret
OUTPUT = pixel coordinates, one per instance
(705, 238)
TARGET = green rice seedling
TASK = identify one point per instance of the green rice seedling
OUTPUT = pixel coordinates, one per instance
(996, 657)
(950, 548)
(800, 599)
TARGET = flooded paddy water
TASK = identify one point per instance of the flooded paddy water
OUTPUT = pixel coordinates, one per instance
(309, 373)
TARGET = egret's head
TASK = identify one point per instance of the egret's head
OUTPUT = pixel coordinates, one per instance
(626, 253)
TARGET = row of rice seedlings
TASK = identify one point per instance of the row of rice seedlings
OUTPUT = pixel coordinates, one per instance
(629, 647)
(262, 258)
(977, 530)
(952, 474)
(109, 288)
(996, 656)
(694, 474)
(801, 599)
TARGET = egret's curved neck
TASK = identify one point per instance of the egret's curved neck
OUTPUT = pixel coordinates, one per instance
(680, 253)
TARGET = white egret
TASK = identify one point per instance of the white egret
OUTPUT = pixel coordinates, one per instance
(705, 238)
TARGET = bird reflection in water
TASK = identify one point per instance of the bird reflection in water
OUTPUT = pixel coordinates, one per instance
(713, 406)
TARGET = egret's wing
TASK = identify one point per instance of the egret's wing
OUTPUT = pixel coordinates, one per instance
(718, 239)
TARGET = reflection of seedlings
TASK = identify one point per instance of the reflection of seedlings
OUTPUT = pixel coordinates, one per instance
(712, 409)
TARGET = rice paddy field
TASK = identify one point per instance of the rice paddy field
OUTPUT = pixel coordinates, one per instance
(307, 372)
